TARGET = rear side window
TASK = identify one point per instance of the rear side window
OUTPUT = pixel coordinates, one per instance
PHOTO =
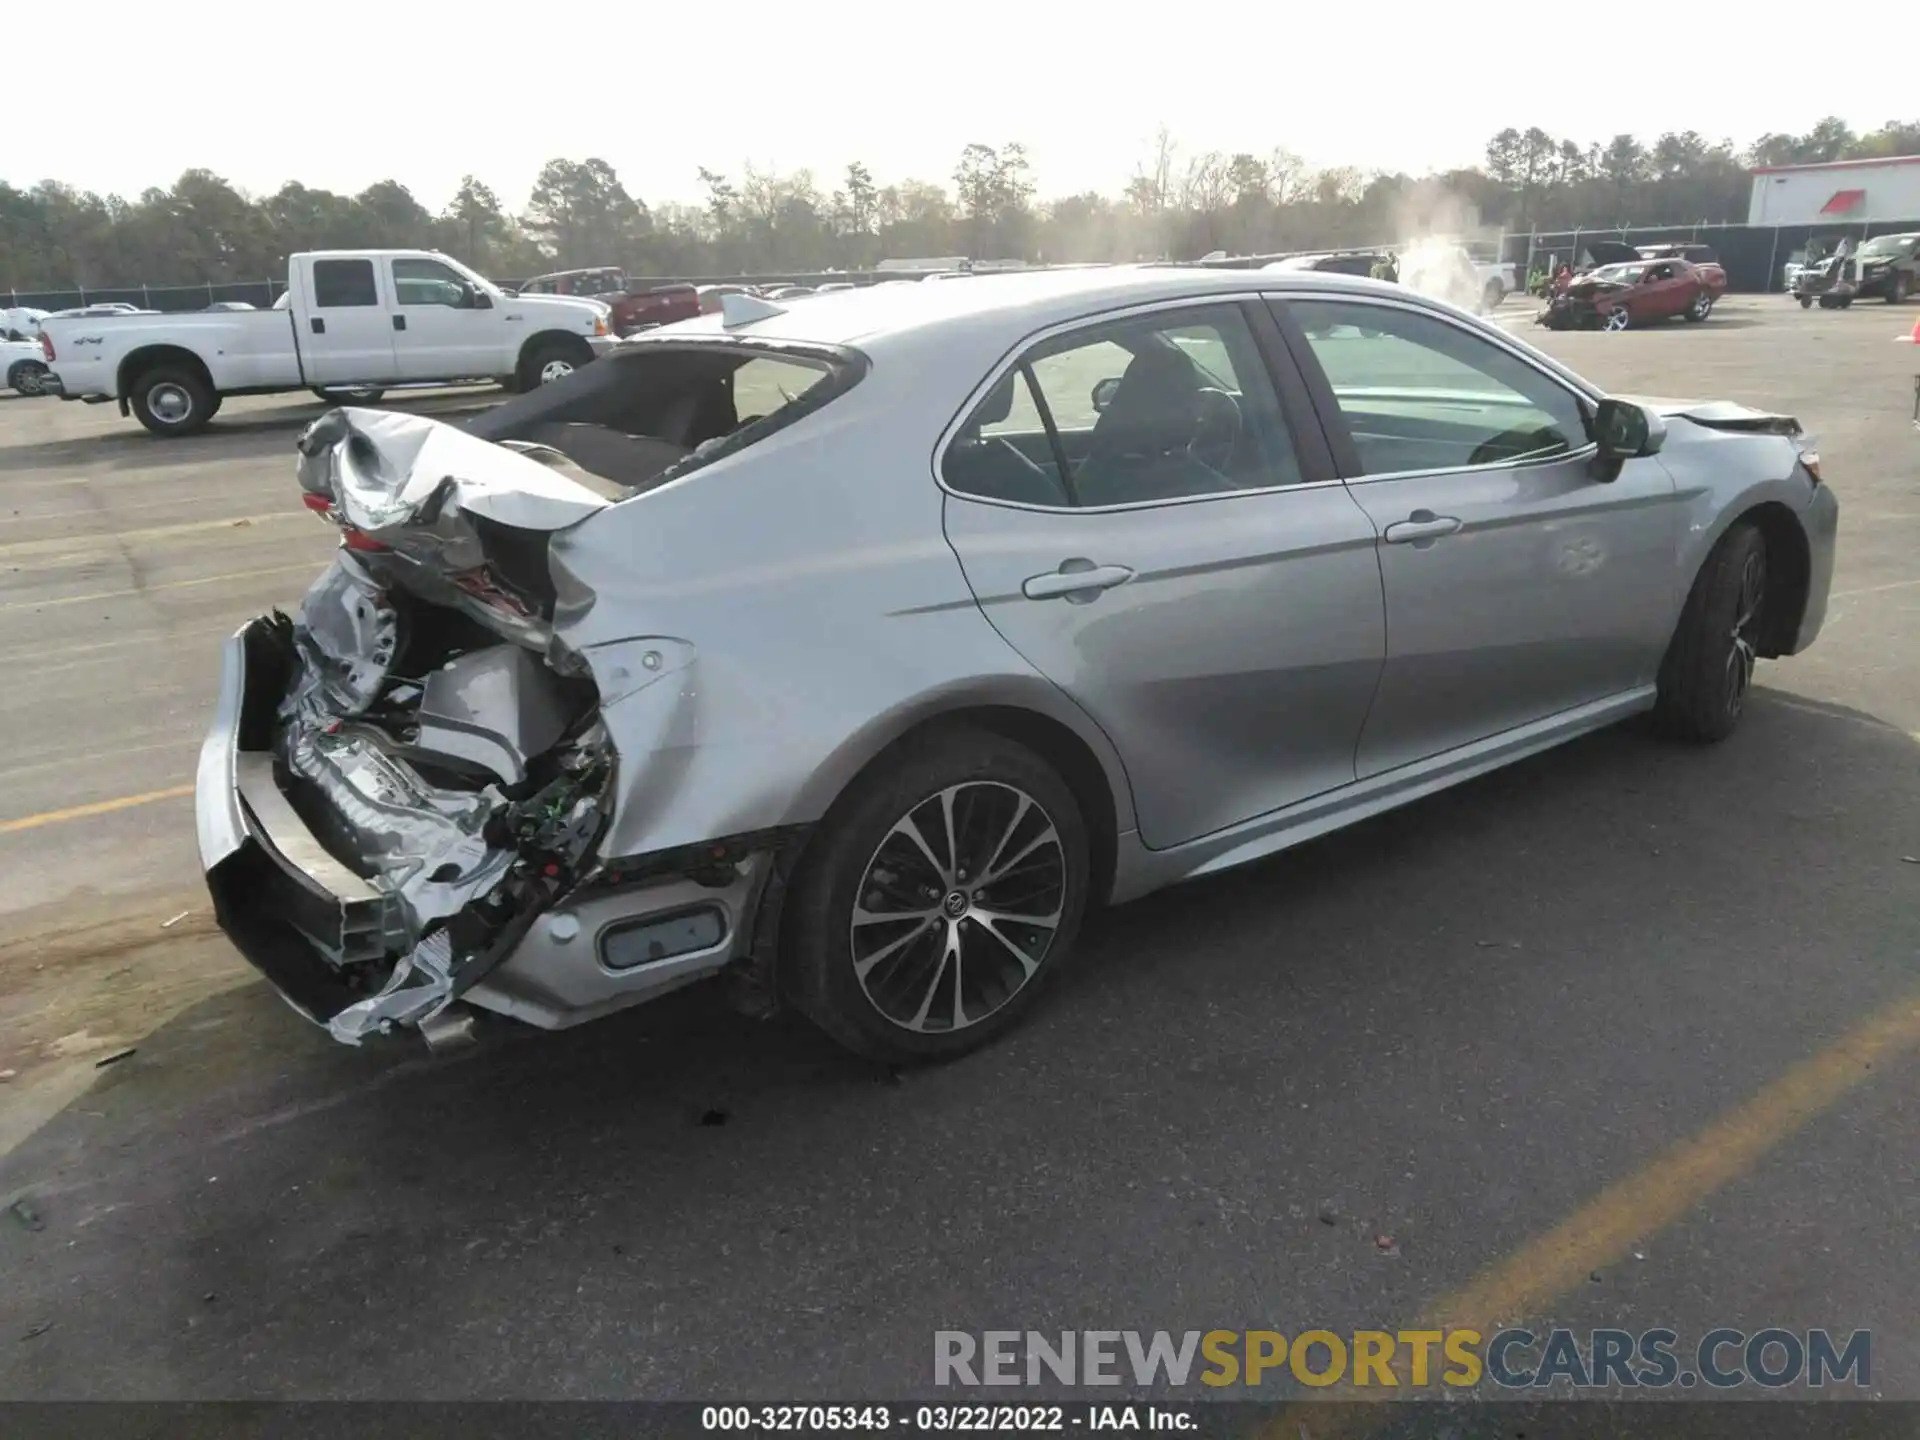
(339, 284)
(652, 413)
(1168, 406)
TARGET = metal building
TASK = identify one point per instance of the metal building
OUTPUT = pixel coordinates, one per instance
(1844, 192)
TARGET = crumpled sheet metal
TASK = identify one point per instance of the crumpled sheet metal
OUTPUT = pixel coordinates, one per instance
(384, 471)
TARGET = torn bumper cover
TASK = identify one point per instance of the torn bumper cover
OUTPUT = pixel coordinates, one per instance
(399, 802)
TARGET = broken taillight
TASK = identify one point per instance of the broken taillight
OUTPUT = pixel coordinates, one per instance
(319, 504)
(359, 540)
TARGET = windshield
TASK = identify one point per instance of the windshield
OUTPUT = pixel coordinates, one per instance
(1886, 245)
(1620, 274)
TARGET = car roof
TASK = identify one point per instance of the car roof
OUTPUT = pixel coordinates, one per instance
(1006, 306)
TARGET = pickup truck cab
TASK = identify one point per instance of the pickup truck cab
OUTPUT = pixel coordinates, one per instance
(354, 322)
(636, 307)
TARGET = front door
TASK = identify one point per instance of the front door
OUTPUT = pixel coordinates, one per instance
(344, 330)
(442, 330)
(1519, 581)
(1131, 512)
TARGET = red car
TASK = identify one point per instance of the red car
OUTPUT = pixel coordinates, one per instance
(1637, 292)
(634, 307)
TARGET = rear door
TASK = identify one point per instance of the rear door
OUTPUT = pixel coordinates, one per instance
(1155, 527)
(342, 322)
(443, 330)
(1520, 581)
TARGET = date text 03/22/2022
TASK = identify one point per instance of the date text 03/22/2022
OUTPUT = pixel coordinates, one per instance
(959, 1419)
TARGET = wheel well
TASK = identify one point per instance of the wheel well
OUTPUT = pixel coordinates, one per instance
(552, 340)
(148, 357)
(1789, 570)
(1065, 751)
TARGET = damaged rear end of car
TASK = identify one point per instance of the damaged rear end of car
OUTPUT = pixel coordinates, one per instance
(404, 778)
(398, 783)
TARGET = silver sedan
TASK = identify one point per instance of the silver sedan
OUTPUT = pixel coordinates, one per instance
(852, 649)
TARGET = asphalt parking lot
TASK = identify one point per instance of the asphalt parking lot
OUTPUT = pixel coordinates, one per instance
(1625, 1035)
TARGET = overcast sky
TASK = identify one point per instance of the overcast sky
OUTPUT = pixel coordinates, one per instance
(428, 91)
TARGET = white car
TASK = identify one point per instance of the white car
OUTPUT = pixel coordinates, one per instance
(20, 322)
(23, 368)
(357, 321)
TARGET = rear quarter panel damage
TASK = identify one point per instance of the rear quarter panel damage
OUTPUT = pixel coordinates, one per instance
(806, 611)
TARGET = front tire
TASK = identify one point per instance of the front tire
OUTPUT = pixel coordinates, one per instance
(1708, 668)
(552, 361)
(1806, 302)
(1897, 290)
(1617, 319)
(1492, 296)
(938, 899)
(171, 401)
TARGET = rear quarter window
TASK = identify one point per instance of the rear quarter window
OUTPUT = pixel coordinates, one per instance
(655, 412)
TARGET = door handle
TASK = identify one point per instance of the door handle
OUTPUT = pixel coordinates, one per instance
(1421, 526)
(399, 322)
(318, 325)
(1076, 580)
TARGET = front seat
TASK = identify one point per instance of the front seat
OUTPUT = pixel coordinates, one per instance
(1138, 450)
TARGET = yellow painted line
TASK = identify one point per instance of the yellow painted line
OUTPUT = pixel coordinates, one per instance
(98, 807)
(1606, 1228)
(309, 566)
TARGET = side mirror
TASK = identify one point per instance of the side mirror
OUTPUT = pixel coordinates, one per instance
(1625, 431)
(1104, 392)
(481, 299)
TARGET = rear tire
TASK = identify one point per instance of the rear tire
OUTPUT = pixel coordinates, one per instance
(940, 982)
(171, 401)
(1806, 302)
(26, 377)
(1897, 290)
(1701, 307)
(349, 394)
(1708, 668)
(1492, 296)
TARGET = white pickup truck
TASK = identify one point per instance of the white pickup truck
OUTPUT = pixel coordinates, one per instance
(354, 323)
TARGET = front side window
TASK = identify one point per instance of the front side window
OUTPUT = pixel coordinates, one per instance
(342, 284)
(1174, 405)
(428, 282)
(1420, 393)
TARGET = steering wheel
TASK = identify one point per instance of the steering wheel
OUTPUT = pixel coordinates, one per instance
(1217, 429)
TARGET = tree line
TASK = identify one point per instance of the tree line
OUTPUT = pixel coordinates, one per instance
(1177, 205)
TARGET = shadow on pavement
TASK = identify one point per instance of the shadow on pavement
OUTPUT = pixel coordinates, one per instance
(1449, 1024)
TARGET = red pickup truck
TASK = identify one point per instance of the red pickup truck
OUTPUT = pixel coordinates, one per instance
(635, 307)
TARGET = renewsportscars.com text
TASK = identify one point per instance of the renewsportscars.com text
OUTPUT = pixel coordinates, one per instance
(1512, 1359)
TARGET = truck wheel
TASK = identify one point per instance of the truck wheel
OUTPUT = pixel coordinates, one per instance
(172, 401)
(1491, 297)
(555, 360)
(25, 377)
(1897, 290)
(350, 394)
(1806, 302)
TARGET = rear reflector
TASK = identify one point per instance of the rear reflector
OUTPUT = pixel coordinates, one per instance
(317, 503)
